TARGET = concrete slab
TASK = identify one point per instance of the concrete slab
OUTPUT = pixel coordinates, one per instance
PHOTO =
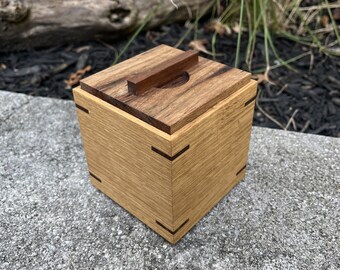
(284, 215)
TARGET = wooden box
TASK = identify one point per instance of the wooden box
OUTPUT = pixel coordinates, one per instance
(166, 135)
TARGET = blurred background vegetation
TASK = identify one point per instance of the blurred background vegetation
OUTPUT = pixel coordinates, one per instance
(311, 23)
(292, 48)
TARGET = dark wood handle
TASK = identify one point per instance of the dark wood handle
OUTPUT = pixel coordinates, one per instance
(162, 73)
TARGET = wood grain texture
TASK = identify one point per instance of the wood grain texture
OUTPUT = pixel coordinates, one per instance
(219, 142)
(170, 196)
(118, 151)
(171, 107)
(161, 74)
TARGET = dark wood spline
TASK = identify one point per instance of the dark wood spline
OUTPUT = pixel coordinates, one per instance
(170, 231)
(95, 177)
(249, 101)
(82, 108)
(243, 168)
(171, 158)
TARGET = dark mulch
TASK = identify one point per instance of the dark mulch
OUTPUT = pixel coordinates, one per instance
(307, 101)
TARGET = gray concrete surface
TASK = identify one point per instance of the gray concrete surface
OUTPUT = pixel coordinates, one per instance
(284, 215)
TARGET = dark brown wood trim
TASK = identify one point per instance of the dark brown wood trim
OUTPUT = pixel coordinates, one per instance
(82, 108)
(243, 168)
(250, 101)
(169, 157)
(170, 231)
(95, 177)
(162, 73)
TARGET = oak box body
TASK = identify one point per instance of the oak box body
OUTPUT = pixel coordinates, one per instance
(166, 147)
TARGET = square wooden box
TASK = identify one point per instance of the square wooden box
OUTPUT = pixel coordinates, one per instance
(166, 135)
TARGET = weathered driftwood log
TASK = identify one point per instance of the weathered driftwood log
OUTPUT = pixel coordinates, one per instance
(34, 23)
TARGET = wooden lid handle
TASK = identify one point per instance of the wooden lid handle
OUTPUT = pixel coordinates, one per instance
(162, 73)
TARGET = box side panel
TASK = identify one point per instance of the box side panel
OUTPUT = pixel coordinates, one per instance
(216, 159)
(121, 161)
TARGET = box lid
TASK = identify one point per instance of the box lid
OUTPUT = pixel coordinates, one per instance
(166, 87)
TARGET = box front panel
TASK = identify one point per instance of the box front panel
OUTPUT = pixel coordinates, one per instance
(216, 159)
(122, 163)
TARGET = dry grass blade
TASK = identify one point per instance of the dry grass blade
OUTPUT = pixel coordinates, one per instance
(305, 126)
(319, 7)
(218, 27)
(267, 114)
(199, 45)
(262, 77)
(291, 120)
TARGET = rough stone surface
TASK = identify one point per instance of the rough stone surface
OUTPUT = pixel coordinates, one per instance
(284, 215)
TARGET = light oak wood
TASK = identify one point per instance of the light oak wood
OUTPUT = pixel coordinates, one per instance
(218, 151)
(171, 107)
(167, 181)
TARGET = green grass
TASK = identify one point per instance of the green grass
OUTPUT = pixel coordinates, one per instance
(280, 18)
(239, 35)
(262, 19)
(133, 37)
